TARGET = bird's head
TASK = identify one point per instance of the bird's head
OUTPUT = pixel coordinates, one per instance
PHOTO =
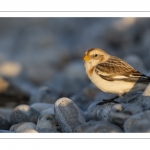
(94, 56)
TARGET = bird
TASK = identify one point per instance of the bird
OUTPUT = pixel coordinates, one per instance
(113, 75)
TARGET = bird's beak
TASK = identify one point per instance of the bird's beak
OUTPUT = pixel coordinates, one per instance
(86, 58)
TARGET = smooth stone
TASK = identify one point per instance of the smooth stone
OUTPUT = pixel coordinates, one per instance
(23, 127)
(24, 113)
(4, 124)
(99, 112)
(67, 114)
(139, 123)
(144, 101)
(41, 106)
(49, 110)
(130, 97)
(98, 127)
(44, 95)
(121, 112)
(46, 122)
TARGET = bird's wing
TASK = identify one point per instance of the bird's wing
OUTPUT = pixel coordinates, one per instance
(116, 69)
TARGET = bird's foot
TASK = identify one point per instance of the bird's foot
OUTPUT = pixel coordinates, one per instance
(105, 101)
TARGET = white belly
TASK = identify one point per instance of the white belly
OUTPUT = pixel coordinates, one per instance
(115, 87)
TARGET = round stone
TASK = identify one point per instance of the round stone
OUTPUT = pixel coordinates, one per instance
(139, 123)
(49, 110)
(23, 127)
(67, 114)
(46, 123)
(41, 106)
(24, 113)
(121, 112)
(99, 112)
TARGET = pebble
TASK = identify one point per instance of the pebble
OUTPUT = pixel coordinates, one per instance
(67, 114)
(23, 127)
(121, 112)
(99, 112)
(98, 127)
(44, 95)
(4, 124)
(41, 106)
(130, 97)
(144, 101)
(47, 123)
(24, 113)
(138, 123)
(49, 110)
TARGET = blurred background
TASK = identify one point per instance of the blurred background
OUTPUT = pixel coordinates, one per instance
(37, 52)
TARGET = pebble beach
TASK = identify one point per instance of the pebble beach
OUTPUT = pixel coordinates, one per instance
(43, 84)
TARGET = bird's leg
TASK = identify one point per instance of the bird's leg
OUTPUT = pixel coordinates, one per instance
(108, 100)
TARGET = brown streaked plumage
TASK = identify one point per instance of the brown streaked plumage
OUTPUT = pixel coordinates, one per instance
(113, 75)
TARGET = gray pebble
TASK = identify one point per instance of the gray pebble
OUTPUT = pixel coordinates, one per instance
(99, 112)
(144, 101)
(23, 127)
(121, 112)
(98, 127)
(24, 113)
(47, 122)
(4, 124)
(41, 106)
(49, 110)
(67, 114)
(44, 95)
(130, 97)
(138, 123)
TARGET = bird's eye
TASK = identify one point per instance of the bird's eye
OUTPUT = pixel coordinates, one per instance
(95, 55)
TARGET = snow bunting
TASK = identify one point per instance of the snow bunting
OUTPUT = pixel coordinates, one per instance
(113, 75)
